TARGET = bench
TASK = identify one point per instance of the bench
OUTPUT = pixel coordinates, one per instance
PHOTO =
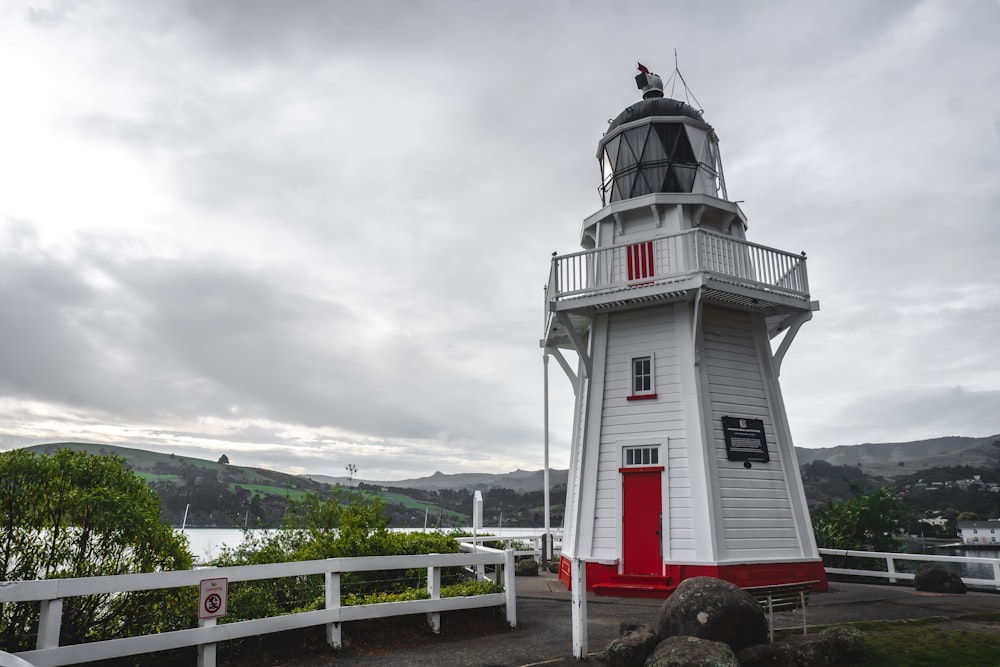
(782, 597)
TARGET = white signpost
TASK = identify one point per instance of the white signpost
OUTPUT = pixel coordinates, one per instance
(213, 601)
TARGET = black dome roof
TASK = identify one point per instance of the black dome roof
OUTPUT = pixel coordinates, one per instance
(655, 106)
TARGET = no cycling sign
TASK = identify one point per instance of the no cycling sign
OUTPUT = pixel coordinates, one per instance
(213, 598)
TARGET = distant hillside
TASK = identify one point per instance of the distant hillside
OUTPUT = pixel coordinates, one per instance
(212, 493)
(219, 494)
(896, 459)
(521, 481)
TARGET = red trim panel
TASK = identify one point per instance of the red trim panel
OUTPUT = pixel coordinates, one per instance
(640, 397)
(642, 469)
(744, 575)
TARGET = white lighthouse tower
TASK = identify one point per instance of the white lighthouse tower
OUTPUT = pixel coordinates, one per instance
(682, 462)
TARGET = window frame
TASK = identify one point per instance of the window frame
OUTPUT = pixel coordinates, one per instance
(646, 462)
(642, 394)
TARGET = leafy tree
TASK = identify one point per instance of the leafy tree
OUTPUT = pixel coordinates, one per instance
(73, 514)
(967, 516)
(224, 460)
(867, 521)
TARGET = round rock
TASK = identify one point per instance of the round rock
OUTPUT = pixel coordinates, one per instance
(713, 609)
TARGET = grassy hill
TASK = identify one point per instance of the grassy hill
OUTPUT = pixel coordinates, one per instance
(213, 493)
(224, 495)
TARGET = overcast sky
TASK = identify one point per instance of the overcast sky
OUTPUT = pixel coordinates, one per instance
(313, 234)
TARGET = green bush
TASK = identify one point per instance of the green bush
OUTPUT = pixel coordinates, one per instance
(74, 514)
(348, 524)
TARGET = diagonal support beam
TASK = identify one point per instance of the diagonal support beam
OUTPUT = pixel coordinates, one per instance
(578, 343)
(786, 342)
(557, 353)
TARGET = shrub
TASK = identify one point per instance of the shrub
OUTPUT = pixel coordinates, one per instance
(74, 514)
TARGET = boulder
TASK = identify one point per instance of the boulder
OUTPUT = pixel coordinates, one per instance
(713, 609)
(935, 579)
(632, 648)
(691, 652)
(848, 642)
(526, 567)
(839, 645)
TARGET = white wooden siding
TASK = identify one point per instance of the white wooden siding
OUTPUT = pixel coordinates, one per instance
(756, 510)
(653, 421)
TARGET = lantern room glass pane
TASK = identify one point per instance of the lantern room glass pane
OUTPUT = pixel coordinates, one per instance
(676, 142)
(623, 186)
(631, 147)
(699, 145)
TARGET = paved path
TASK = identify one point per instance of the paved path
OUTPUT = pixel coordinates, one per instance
(544, 636)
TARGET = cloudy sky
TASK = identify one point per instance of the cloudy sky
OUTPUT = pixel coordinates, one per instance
(313, 234)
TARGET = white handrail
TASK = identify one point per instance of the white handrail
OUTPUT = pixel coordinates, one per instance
(893, 574)
(608, 269)
(10, 660)
(51, 592)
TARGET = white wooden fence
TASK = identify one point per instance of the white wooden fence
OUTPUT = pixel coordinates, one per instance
(51, 592)
(892, 570)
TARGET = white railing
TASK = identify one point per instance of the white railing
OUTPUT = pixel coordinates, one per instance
(522, 545)
(893, 573)
(51, 592)
(674, 257)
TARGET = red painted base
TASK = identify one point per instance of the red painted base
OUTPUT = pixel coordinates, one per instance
(605, 580)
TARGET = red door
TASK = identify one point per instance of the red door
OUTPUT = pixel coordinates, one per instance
(641, 523)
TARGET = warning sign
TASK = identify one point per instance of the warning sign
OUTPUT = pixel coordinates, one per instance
(213, 599)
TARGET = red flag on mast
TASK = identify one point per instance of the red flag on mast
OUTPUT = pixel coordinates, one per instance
(642, 68)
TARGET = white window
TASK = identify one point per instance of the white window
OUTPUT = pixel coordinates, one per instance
(643, 377)
(641, 456)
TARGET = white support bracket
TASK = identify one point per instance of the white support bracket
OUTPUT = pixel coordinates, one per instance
(655, 208)
(695, 326)
(786, 342)
(578, 343)
(557, 353)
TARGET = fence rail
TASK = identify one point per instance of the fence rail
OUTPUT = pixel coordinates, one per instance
(669, 258)
(51, 592)
(894, 573)
(523, 545)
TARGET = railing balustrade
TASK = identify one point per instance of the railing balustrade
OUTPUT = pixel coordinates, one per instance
(672, 257)
(51, 592)
(894, 573)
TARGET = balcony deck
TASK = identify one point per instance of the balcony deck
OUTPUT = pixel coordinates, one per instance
(674, 268)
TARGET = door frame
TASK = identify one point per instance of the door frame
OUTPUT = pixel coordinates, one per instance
(624, 472)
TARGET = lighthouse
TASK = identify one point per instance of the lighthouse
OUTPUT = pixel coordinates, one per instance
(682, 462)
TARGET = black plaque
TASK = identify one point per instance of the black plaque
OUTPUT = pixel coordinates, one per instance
(745, 439)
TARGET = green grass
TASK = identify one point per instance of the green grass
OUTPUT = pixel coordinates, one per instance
(391, 498)
(265, 490)
(930, 643)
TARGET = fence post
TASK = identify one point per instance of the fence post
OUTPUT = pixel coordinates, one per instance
(890, 564)
(49, 624)
(510, 587)
(206, 652)
(333, 634)
(434, 589)
(996, 574)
